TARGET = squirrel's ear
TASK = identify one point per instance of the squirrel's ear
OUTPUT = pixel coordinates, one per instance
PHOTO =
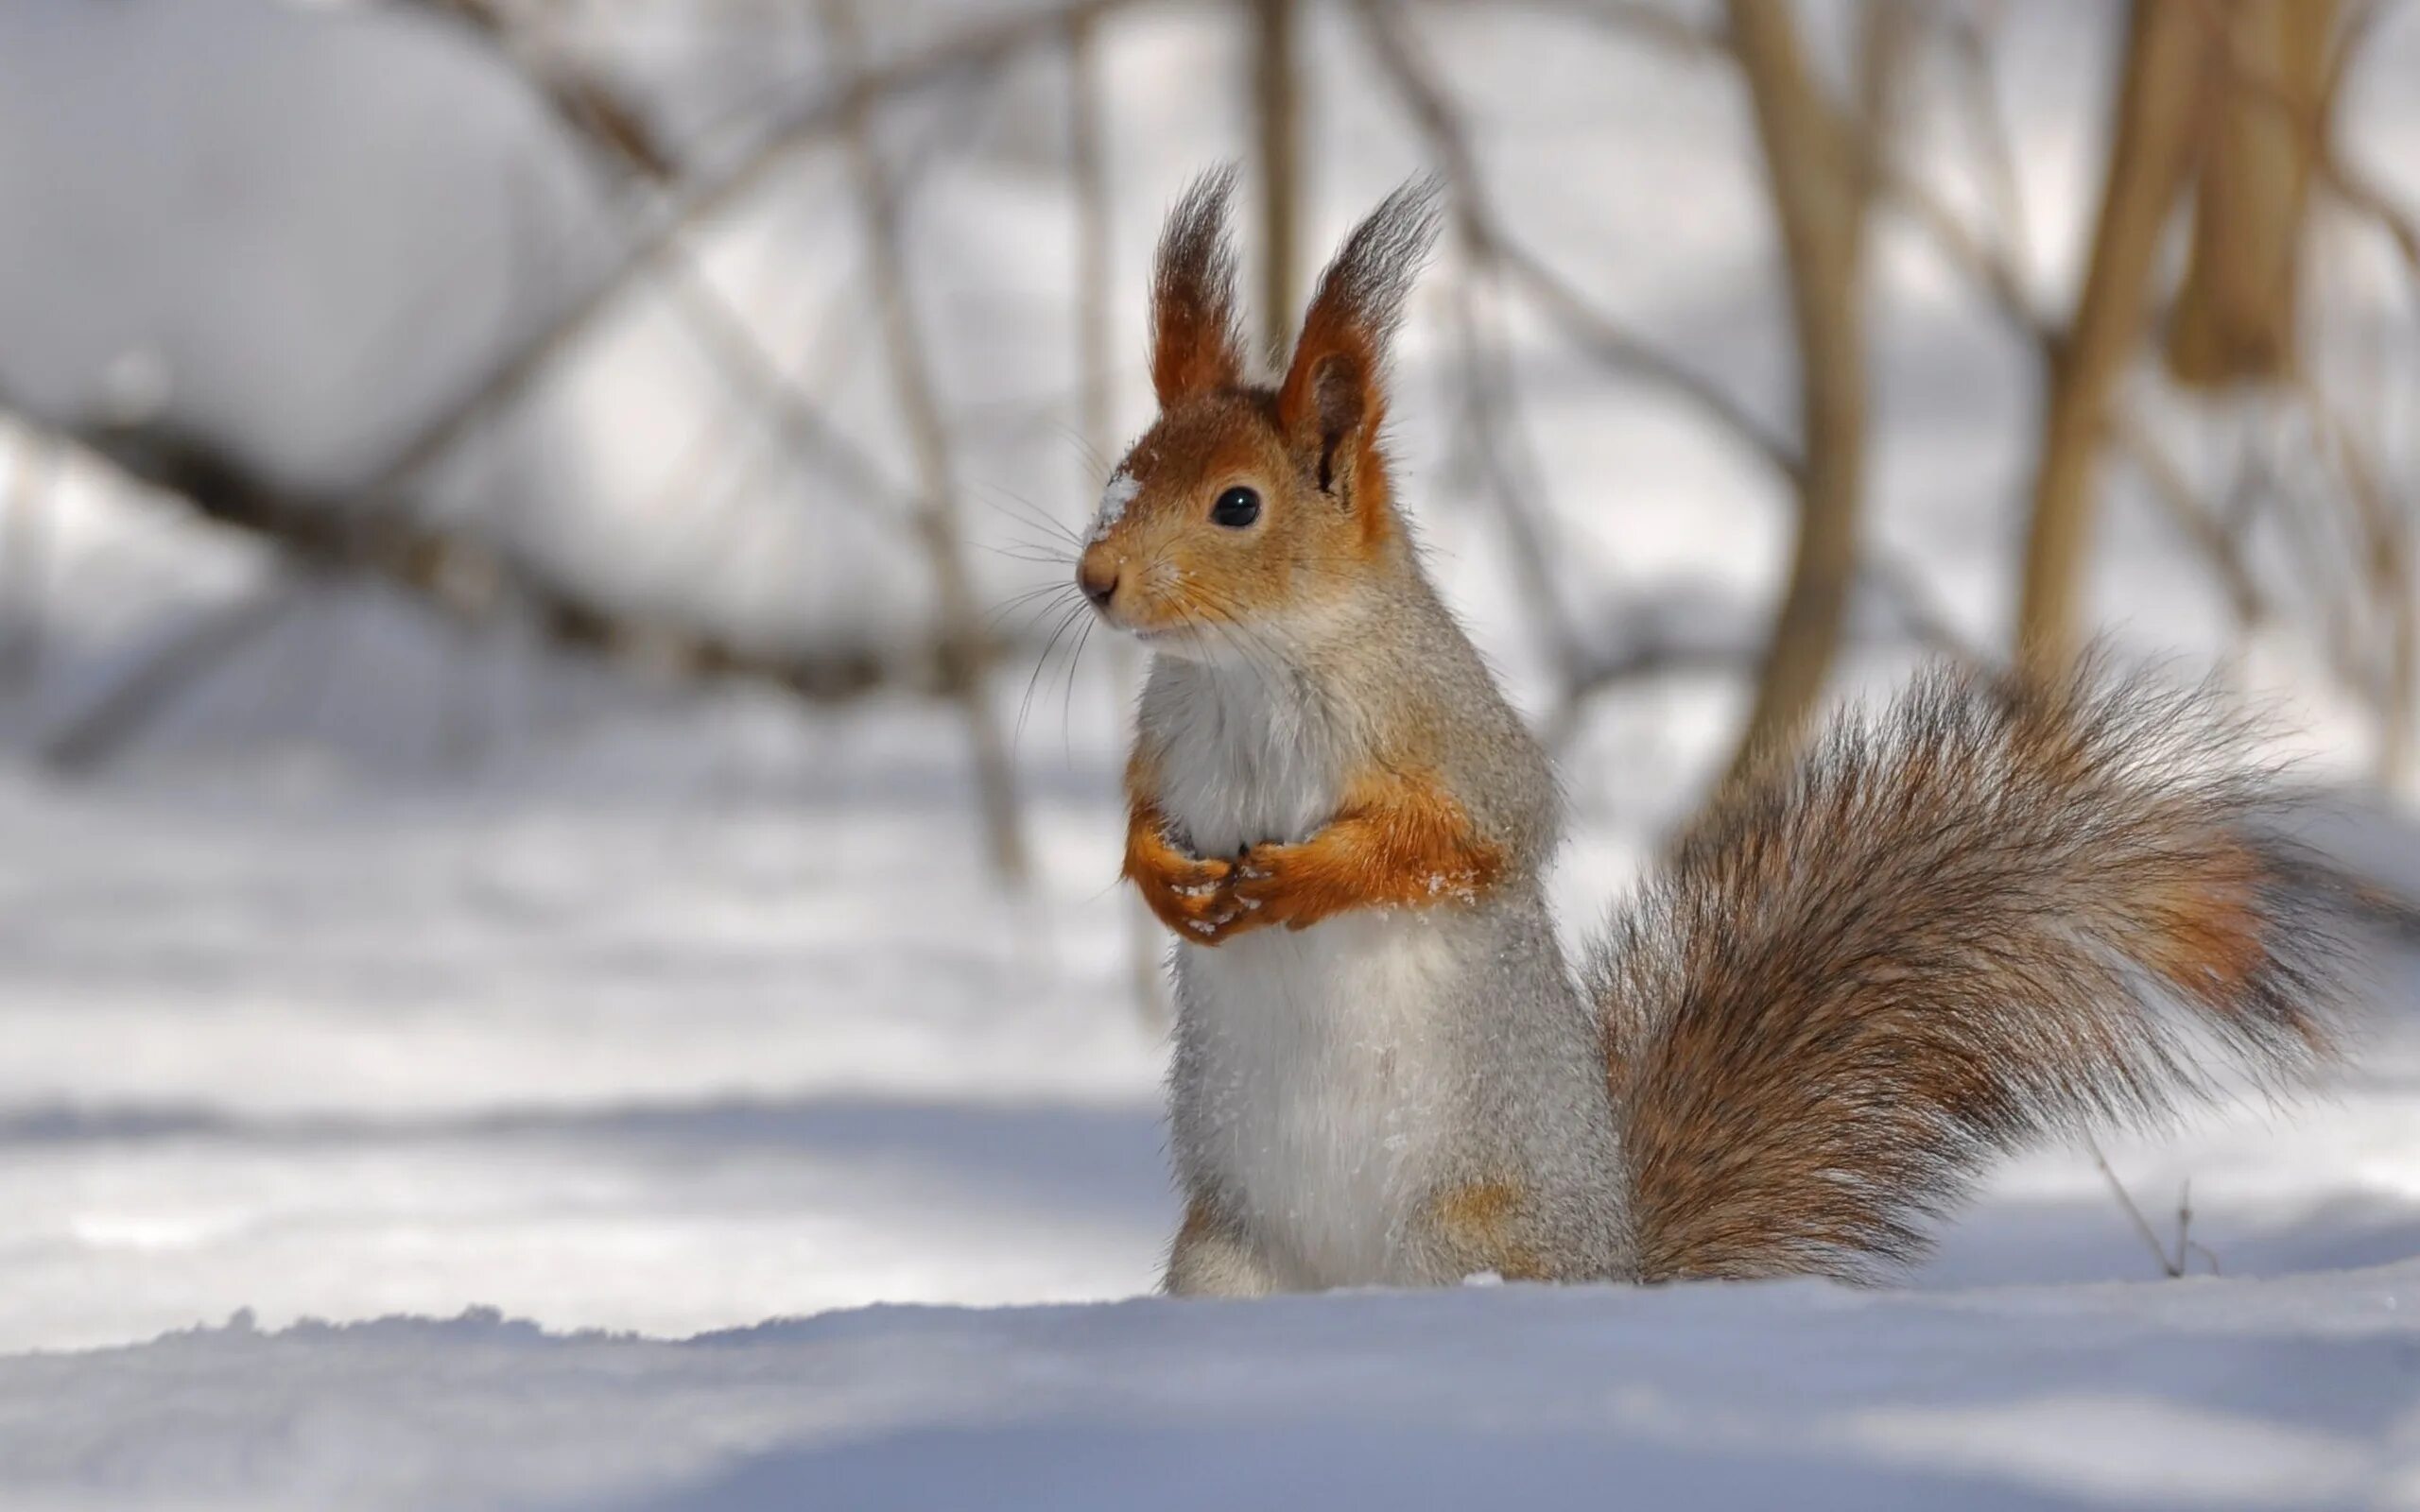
(1195, 345)
(1333, 401)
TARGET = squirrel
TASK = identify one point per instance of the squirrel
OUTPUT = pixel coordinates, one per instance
(2002, 909)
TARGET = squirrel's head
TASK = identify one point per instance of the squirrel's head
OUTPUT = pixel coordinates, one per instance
(1245, 504)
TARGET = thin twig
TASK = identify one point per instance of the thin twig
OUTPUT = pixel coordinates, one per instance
(1487, 380)
(1978, 89)
(1616, 346)
(2386, 552)
(818, 118)
(1647, 652)
(158, 677)
(32, 475)
(1689, 38)
(2185, 509)
(1572, 315)
(725, 334)
(591, 108)
(2185, 1244)
(1489, 256)
(1088, 165)
(2142, 1226)
(1997, 267)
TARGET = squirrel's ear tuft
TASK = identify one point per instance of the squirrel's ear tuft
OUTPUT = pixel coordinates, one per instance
(1333, 401)
(1195, 345)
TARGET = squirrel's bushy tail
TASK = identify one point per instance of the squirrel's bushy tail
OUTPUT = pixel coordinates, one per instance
(1990, 914)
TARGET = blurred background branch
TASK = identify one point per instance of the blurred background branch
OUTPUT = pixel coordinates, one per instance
(2187, 337)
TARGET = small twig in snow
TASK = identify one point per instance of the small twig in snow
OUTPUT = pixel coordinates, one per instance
(2170, 1268)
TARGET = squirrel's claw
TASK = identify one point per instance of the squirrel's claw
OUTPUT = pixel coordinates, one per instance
(1262, 887)
(1196, 896)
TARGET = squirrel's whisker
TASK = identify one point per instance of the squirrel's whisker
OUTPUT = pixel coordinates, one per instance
(1025, 705)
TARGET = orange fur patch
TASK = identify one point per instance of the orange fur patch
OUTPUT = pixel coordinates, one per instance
(1480, 1220)
(1178, 570)
(1399, 841)
(2209, 931)
(1201, 1223)
(1190, 350)
(1193, 896)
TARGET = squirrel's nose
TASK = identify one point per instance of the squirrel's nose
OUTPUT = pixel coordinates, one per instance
(1096, 574)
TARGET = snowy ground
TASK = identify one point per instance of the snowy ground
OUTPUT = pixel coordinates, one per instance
(667, 1063)
(410, 1052)
(2289, 1394)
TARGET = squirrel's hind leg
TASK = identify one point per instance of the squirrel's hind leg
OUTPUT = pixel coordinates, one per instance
(1214, 1257)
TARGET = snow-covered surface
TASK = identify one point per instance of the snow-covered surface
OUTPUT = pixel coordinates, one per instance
(2291, 1394)
(687, 1060)
(407, 974)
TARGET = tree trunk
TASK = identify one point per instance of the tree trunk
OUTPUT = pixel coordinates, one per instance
(2152, 147)
(1815, 168)
(1277, 139)
(1095, 366)
(2234, 317)
(937, 522)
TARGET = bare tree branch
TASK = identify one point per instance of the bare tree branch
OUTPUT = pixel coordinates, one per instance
(2386, 553)
(454, 573)
(816, 119)
(1482, 232)
(724, 333)
(594, 110)
(1977, 93)
(1487, 377)
(1277, 146)
(366, 531)
(2309, 113)
(1667, 28)
(2175, 495)
(150, 688)
(937, 512)
(1644, 647)
(1996, 265)
(1992, 267)
(2234, 315)
(1582, 322)
(1490, 254)
(1088, 165)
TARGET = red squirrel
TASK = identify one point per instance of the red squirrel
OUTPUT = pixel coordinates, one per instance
(1995, 912)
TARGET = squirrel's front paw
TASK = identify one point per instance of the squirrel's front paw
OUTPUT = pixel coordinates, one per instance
(1196, 897)
(1268, 889)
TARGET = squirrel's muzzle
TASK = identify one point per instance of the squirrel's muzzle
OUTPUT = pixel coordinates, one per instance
(1096, 574)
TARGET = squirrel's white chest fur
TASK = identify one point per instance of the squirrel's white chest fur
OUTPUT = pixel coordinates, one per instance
(1310, 1078)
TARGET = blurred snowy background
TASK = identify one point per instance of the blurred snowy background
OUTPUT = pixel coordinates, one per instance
(535, 774)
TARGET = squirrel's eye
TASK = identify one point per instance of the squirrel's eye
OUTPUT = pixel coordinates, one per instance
(1235, 508)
